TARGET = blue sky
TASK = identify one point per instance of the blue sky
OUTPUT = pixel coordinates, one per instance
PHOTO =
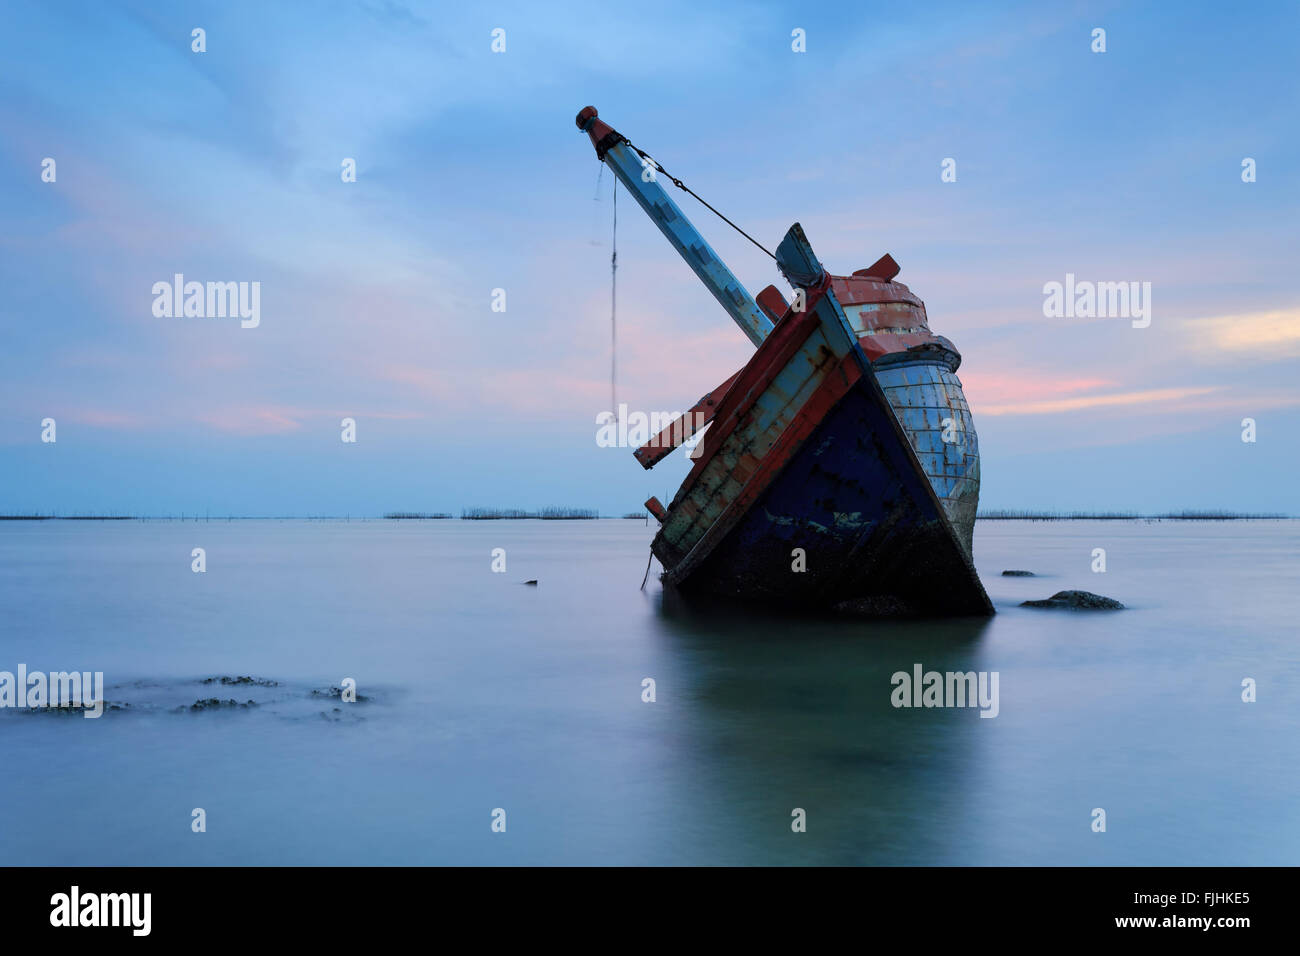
(376, 295)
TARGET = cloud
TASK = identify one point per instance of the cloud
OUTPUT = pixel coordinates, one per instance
(1264, 335)
(1081, 402)
(278, 420)
(1021, 387)
(253, 421)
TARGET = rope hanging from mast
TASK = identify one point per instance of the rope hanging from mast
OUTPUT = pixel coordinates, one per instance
(647, 570)
(613, 256)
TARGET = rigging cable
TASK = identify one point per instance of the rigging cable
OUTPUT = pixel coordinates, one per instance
(613, 279)
(681, 185)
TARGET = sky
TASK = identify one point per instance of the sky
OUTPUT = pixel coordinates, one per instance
(377, 295)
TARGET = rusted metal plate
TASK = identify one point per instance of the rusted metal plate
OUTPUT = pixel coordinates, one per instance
(852, 290)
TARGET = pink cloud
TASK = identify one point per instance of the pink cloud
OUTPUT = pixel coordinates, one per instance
(1031, 387)
(1079, 403)
(253, 421)
(279, 419)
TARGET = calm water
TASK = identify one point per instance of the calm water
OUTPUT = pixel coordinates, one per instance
(485, 693)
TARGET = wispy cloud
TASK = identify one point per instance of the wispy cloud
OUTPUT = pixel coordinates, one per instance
(1261, 335)
(1007, 388)
(1056, 406)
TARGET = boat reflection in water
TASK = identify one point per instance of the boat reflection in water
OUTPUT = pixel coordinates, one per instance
(779, 712)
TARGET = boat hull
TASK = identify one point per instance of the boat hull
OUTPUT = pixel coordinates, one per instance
(849, 523)
(809, 490)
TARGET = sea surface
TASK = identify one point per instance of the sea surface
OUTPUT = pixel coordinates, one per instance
(478, 692)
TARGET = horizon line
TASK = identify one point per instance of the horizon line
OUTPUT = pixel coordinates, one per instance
(519, 515)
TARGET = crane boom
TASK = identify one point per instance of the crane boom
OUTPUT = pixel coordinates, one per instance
(615, 151)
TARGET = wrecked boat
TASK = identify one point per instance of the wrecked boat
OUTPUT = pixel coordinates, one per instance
(840, 465)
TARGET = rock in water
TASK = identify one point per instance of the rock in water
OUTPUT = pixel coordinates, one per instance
(1083, 600)
(1018, 574)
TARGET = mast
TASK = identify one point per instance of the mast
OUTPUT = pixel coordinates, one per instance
(617, 153)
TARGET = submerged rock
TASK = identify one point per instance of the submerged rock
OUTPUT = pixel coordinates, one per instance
(66, 708)
(336, 692)
(213, 703)
(339, 715)
(240, 681)
(1019, 574)
(1081, 600)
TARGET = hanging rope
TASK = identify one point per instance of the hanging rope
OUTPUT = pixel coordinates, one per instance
(613, 261)
(597, 227)
(613, 284)
(681, 185)
(613, 308)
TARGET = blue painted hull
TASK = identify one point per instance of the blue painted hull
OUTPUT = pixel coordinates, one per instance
(875, 538)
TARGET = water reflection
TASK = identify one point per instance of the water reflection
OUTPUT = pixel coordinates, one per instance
(782, 712)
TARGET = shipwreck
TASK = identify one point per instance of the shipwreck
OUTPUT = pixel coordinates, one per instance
(840, 467)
